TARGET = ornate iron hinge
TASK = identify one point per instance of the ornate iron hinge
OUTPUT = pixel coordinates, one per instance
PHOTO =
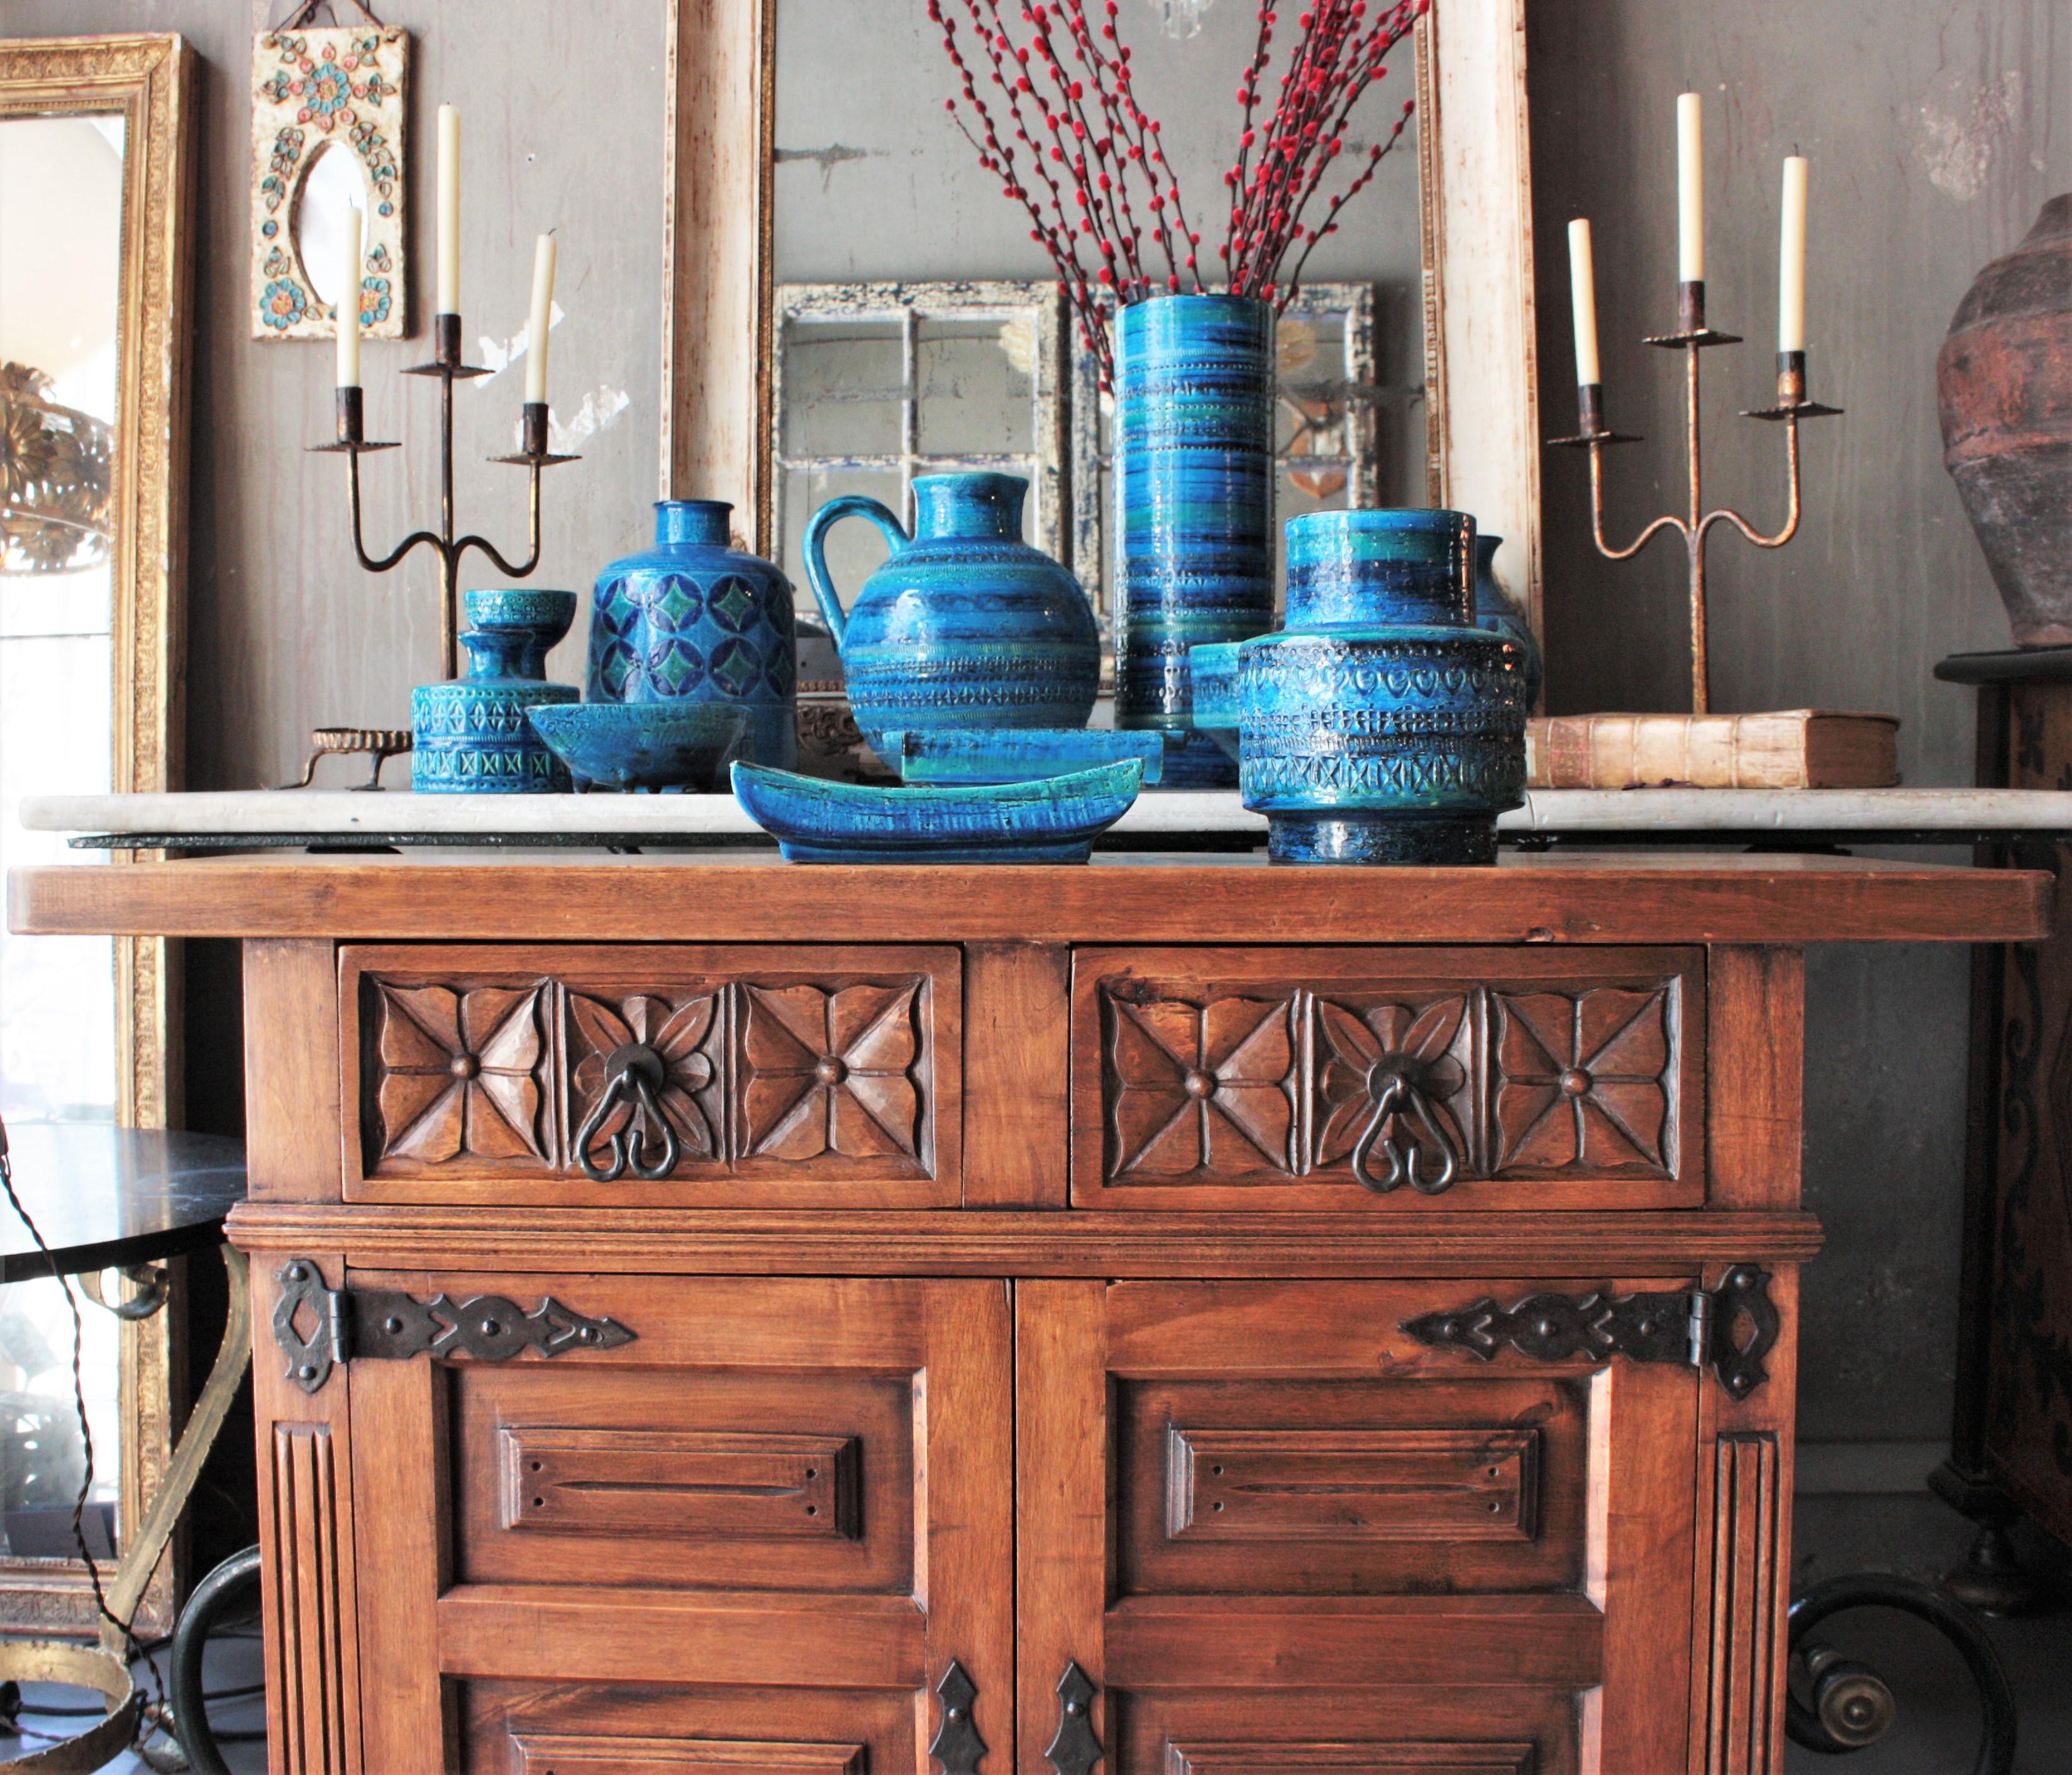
(957, 1746)
(1728, 1329)
(386, 1325)
(1077, 1747)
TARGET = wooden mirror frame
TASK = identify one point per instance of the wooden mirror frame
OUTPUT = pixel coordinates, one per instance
(1474, 177)
(149, 81)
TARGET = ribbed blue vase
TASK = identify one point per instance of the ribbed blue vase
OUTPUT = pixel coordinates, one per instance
(1380, 725)
(1194, 491)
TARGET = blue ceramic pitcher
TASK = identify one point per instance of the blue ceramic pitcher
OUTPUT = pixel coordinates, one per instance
(965, 625)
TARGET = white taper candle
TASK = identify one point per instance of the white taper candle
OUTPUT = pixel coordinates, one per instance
(1791, 260)
(348, 301)
(543, 314)
(449, 273)
(1690, 188)
(1583, 297)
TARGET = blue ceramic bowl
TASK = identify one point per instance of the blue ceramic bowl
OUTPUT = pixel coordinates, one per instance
(644, 745)
(1017, 754)
(1056, 820)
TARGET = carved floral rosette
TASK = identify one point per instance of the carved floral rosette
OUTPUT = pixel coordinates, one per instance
(310, 89)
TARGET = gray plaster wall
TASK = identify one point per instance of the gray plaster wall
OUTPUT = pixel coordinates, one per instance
(1935, 131)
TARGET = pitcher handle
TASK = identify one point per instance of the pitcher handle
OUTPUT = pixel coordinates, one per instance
(848, 505)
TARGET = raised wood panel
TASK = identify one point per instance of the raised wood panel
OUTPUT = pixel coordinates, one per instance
(785, 1078)
(1342, 1485)
(1384, 1731)
(1341, 1079)
(1368, 1759)
(1351, 1485)
(594, 1753)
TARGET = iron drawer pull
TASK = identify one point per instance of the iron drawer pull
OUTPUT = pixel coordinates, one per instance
(633, 1074)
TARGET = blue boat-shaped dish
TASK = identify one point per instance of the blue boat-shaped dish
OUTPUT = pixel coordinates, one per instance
(1017, 754)
(1054, 820)
(644, 745)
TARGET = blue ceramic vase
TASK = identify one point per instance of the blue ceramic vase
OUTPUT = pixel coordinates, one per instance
(470, 734)
(1495, 612)
(696, 620)
(1194, 390)
(965, 625)
(1380, 725)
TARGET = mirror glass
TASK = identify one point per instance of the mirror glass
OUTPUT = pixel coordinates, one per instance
(61, 184)
(333, 184)
(876, 188)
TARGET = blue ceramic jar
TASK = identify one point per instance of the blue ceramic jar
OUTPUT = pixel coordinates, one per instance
(471, 735)
(696, 620)
(1495, 612)
(1380, 725)
(965, 625)
(1195, 391)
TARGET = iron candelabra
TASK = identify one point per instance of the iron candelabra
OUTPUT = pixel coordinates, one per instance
(533, 454)
(1693, 336)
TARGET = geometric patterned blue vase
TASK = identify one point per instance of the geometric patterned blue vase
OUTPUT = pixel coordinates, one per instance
(471, 734)
(1380, 725)
(696, 620)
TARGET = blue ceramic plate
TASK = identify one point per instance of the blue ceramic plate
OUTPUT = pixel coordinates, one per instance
(1056, 820)
(1017, 754)
(644, 745)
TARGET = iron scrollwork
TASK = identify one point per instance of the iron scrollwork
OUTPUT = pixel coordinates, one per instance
(633, 1076)
(1700, 1327)
(957, 1746)
(386, 1325)
(1077, 1747)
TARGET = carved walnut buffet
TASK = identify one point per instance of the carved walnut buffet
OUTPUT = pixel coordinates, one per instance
(1212, 1318)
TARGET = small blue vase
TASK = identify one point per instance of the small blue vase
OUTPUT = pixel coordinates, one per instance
(965, 625)
(1194, 393)
(1380, 725)
(696, 620)
(1495, 612)
(470, 735)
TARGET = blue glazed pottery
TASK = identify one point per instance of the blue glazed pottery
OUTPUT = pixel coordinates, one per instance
(1195, 391)
(1214, 669)
(470, 734)
(1380, 725)
(629, 746)
(1054, 820)
(1017, 754)
(1495, 612)
(696, 620)
(965, 625)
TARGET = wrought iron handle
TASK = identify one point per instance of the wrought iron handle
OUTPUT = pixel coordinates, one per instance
(957, 1746)
(1077, 1746)
(634, 1075)
(1395, 1093)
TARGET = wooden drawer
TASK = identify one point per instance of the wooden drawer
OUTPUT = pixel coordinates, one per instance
(800, 1076)
(1340, 1079)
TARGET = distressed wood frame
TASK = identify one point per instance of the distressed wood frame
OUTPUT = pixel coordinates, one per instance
(148, 80)
(1475, 185)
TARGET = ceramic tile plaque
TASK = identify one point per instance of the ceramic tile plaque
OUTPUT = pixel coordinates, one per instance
(327, 112)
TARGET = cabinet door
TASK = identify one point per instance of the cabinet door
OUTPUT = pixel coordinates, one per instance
(758, 1534)
(1275, 1533)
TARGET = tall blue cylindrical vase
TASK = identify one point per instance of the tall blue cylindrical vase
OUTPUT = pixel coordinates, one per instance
(1194, 491)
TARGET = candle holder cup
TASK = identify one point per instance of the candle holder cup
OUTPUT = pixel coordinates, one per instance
(1592, 433)
(532, 453)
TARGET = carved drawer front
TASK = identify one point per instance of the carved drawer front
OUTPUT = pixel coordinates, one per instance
(1345, 1079)
(731, 1075)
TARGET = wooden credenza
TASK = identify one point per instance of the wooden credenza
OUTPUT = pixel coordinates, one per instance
(1221, 1319)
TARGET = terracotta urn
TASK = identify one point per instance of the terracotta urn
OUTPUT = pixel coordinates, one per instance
(2003, 387)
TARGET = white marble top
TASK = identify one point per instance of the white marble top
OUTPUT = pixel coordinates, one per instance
(261, 813)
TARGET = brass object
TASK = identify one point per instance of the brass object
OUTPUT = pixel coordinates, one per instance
(383, 742)
(533, 454)
(1691, 336)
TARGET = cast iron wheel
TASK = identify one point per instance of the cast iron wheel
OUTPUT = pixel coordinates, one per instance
(1852, 1707)
(230, 1589)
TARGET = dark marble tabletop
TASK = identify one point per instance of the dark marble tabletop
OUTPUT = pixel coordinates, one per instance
(105, 1196)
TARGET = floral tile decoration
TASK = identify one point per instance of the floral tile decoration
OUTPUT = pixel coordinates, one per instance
(310, 89)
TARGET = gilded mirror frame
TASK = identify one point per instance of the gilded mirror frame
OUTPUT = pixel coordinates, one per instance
(148, 80)
(1474, 175)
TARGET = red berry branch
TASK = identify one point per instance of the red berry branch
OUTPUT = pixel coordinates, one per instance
(1053, 114)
